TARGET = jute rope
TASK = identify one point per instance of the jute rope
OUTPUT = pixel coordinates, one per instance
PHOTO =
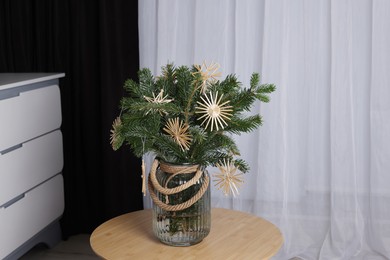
(154, 185)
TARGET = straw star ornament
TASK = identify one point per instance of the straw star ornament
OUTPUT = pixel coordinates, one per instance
(159, 99)
(214, 113)
(208, 74)
(116, 139)
(178, 131)
(228, 179)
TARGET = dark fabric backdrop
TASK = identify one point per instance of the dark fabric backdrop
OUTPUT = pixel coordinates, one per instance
(95, 43)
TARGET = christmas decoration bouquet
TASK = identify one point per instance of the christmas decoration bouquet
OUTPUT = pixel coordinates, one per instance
(188, 115)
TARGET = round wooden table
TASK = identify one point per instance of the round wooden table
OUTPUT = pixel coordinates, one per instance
(233, 235)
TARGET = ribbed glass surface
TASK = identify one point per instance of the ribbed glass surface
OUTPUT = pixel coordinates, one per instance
(186, 227)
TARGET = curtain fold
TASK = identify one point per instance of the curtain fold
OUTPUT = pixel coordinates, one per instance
(320, 162)
(96, 44)
(379, 112)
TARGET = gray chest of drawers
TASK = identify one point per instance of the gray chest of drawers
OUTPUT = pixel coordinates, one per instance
(31, 161)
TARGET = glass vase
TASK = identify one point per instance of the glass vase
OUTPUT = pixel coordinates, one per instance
(182, 218)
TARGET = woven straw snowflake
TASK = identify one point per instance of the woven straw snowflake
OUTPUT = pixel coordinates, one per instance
(115, 138)
(229, 179)
(208, 74)
(214, 113)
(178, 131)
(159, 99)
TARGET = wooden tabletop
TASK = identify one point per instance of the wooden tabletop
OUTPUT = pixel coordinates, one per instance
(233, 235)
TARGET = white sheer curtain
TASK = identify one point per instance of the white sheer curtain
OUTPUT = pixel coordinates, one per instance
(320, 164)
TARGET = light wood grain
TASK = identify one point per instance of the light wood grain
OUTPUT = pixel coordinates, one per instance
(233, 235)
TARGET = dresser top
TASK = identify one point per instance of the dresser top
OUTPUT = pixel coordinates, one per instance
(11, 80)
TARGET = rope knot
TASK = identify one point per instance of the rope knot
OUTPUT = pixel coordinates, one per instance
(175, 170)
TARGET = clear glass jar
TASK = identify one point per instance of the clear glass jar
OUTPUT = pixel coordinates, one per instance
(182, 227)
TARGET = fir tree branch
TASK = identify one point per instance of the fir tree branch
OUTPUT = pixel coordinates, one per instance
(242, 165)
(146, 83)
(263, 90)
(190, 101)
(240, 125)
(154, 100)
(255, 80)
(242, 101)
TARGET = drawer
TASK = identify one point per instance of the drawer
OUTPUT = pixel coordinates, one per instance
(30, 164)
(29, 114)
(27, 216)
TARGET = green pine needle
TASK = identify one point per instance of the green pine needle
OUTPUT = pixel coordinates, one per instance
(176, 93)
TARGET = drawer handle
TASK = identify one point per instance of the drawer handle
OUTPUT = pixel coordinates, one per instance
(12, 148)
(13, 201)
(9, 93)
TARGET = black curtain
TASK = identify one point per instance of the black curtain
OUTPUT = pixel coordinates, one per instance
(95, 43)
